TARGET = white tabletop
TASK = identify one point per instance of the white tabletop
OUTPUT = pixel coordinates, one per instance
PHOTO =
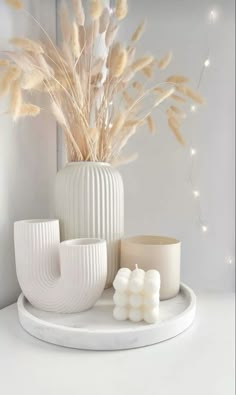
(200, 361)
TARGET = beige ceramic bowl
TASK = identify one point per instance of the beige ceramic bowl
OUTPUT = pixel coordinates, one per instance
(155, 252)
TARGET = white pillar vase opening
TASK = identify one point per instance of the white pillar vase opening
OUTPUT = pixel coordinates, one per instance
(89, 202)
(64, 278)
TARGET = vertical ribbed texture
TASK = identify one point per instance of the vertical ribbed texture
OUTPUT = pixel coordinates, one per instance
(72, 284)
(89, 202)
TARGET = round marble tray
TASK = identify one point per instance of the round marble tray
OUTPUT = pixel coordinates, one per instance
(96, 329)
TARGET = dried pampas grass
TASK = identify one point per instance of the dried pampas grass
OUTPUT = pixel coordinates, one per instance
(118, 62)
(26, 44)
(32, 80)
(96, 9)
(15, 4)
(139, 32)
(150, 123)
(177, 79)
(104, 20)
(165, 61)
(10, 75)
(79, 12)
(164, 96)
(75, 40)
(28, 110)
(99, 101)
(189, 92)
(141, 63)
(174, 126)
(121, 9)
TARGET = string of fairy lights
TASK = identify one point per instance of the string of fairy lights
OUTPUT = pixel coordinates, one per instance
(213, 16)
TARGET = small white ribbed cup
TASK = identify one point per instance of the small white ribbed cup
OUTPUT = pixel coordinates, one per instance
(72, 284)
(84, 270)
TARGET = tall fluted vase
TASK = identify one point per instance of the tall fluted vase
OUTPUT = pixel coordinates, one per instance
(89, 202)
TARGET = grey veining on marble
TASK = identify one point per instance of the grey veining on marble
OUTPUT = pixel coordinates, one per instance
(96, 329)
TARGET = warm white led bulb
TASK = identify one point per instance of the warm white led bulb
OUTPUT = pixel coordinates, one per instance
(229, 260)
(193, 108)
(196, 193)
(193, 151)
(207, 62)
(213, 15)
(204, 228)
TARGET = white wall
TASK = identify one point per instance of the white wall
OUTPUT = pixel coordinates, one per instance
(27, 153)
(158, 197)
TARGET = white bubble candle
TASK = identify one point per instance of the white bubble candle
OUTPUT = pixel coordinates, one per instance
(137, 295)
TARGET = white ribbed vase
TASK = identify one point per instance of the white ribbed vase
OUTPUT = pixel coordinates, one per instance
(89, 202)
(71, 282)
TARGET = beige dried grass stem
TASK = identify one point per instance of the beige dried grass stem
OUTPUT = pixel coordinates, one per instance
(15, 4)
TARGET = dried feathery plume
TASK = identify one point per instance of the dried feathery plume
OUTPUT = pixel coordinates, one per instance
(150, 123)
(121, 9)
(79, 12)
(75, 40)
(148, 72)
(165, 61)
(58, 114)
(137, 85)
(45, 66)
(104, 20)
(177, 79)
(127, 98)
(118, 62)
(32, 80)
(10, 75)
(95, 9)
(138, 32)
(178, 98)
(173, 124)
(131, 123)
(27, 45)
(142, 63)
(15, 100)
(177, 112)
(15, 4)
(111, 33)
(189, 92)
(159, 89)
(4, 62)
(29, 110)
(164, 96)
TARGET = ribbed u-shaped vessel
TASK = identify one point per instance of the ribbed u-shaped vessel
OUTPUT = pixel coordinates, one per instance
(89, 202)
(66, 278)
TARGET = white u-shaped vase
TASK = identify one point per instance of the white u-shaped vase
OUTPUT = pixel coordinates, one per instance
(67, 277)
